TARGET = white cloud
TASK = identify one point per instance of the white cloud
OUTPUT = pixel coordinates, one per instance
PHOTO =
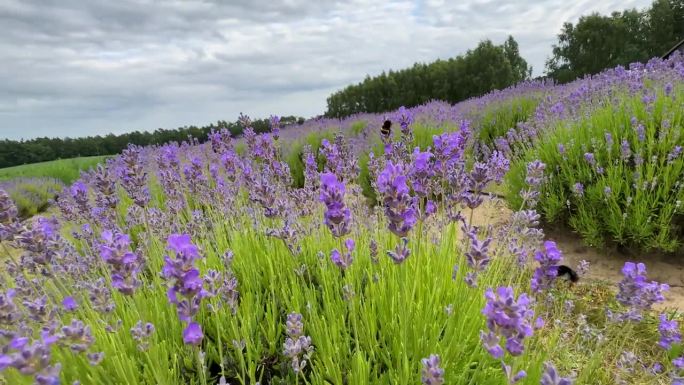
(75, 68)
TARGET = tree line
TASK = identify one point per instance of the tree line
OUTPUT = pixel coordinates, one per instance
(478, 71)
(14, 153)
(597, 42)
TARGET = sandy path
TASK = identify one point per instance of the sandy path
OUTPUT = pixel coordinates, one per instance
(605, 265)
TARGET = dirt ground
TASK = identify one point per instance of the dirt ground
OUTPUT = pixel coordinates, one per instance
(604, 264)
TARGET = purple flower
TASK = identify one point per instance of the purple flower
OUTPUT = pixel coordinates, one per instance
(641, 132)
(401, 252)
(625, 150)
(669, 332)
(337, 217)
(274, 122)
(69, 304)
(609, 139)
(115, 250)
(181, 244)
(491, 342)
(421, 171)
(607, 191)
(185, 284)
(430, 207)
(534, 180)
(477, 255)
(551, 377)
(512, 378)
(498, 165)
(674, 154)
(432, 374)
(192, 334)
(508, 318)
(449, 150)
(561, 149)
(578, 189)
(343, 261)
(297, 346)
(8, 214)
(589, 157)
(141, 334)
(79, 193)
(678, 363)
(547, 272)
(405, 118)
(133, 177)
(77, 336)
(399, 206)
(636, 293)
(583, 268)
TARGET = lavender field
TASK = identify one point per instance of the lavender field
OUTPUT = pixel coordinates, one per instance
(334, 253)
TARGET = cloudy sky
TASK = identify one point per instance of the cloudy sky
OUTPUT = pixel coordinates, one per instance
(72, 68)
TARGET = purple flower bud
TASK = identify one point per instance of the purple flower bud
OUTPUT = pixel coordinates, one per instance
(607, 191)
(636, 292)
(125, 264)
(401, 252)
(297, 346)
(192, 334)
(674, 154)
(398, 204)
(625, 150)
(95, 359)
(547, 272)
(432, 373)
(508, 318)
(578, 189)
(551, 377)
(561, 149)
(8, 210)
(185, 283)
(337, 217)
(669, 332)
(512, 379)
(420, 172)
(69, 304)
(609, 139)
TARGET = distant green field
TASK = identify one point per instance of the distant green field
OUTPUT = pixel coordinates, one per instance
(66, 170)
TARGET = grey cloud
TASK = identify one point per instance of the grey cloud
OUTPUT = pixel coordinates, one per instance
(83, 68)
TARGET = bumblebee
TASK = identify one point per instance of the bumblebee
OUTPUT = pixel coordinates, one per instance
(386, 129)
(567, 273)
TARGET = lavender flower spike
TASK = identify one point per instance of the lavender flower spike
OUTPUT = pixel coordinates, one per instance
(432, 374)
(551, 377)
(669, 332)
(337, 216)
(297, 346)
(509, 318)
(636, 293)
(399, 206)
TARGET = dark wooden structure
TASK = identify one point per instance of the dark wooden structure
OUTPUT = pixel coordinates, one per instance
(678, 47)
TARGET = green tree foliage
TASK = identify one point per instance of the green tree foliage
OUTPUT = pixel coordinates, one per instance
(14, 153)
(479, 71)
(597, 42)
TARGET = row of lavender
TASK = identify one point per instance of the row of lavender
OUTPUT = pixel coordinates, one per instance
(617, 136)
(191, 264)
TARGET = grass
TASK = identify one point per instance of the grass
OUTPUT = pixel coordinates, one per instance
(66, 170)
(32, 195)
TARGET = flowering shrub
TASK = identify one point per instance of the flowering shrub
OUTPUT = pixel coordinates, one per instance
(617, 160)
